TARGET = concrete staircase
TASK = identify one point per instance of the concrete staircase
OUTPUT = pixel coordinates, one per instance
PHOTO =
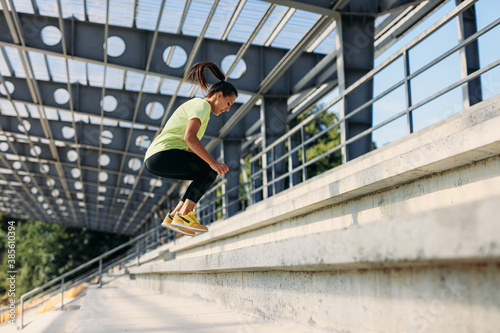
(403, 239)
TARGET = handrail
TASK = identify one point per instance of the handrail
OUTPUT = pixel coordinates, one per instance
(451, 15)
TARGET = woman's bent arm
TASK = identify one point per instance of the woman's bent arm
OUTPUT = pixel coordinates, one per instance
(197, 147)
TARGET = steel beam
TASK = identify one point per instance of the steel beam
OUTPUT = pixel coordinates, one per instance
(375, 8)
(410, 17)
(322, 7)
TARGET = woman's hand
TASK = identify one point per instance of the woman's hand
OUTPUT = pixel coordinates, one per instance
(219, 167)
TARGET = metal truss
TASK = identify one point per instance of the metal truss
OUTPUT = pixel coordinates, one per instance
(77, 163)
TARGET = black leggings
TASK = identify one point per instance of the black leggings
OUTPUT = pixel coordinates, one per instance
(181, 164)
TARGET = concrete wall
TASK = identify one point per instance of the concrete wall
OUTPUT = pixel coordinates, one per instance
(404, 239)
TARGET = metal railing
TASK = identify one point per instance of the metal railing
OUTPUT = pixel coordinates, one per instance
(211, 206)
(268, 169)
(268, 178)
(142, 243)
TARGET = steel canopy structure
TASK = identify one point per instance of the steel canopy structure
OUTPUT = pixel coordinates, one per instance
(85, 86)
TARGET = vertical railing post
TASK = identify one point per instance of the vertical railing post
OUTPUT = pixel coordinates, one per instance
(273, 171)
(264, 176)
(409, 114)
(100, 272)
(290, 163)
(137, 253)
(22, 314)
(304, 170)
(157, 233)
(62, 294)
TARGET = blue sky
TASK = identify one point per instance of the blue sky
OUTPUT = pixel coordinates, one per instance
(437, 77)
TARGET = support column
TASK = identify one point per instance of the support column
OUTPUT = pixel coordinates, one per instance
(469, 56)
(232, 156)
(355, 37)
(274, 111)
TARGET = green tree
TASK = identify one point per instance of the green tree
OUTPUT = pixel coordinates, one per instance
(47, 250)
(321, 144)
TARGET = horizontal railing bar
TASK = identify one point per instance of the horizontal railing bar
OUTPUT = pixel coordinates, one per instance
(455, 12)
(406, 111)
(462, 44)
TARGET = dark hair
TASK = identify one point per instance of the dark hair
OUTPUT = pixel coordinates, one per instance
(197, 74)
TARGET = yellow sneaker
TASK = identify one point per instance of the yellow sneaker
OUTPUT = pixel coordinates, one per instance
(189, 222)
(167, 223)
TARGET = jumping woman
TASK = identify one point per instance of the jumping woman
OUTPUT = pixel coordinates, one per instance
(178, 153)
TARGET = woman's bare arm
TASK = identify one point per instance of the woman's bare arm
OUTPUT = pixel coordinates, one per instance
(195, 146)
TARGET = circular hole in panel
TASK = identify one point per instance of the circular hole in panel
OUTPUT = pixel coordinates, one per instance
(35, 151)
(143, 142)
(27, 126)
(17, 165)
(116, 46)
(155, 110)
(79, 196)
(75, 173)
(45, 168)
(103, 176)
(107, 137)
(63, 208)
(51, 35)
(27, 179)
(239, 69)
(4, 146)
(78, 185)
(104, 160)
(51, 182)
(59, 201)
(45, 206)
(40, 198)
(34, 190)
(174, 56)
(109, 103)
(72, 155)
(61, 96)
(68, 132)
(55, 193)
(129, 179)
(10, 88)
(134, 163)
(155, 182)
(102, 189)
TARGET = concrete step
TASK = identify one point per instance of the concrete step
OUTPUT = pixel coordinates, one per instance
(117, 307)
(467, 233)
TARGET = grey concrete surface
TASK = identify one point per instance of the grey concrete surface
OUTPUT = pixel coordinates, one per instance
(54, 321)
(119, 308)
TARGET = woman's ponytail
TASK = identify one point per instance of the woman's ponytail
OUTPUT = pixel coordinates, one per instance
(196, 74)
